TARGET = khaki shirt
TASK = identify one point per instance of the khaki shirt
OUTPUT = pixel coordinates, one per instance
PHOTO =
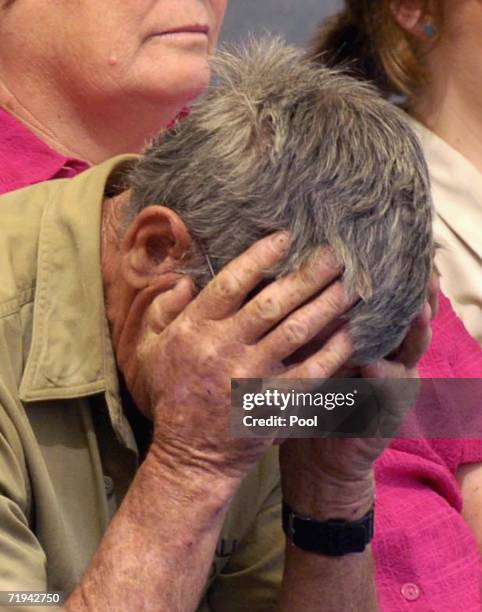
(67, 451)
(457, 196)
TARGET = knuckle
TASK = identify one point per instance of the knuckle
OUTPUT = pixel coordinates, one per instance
(330, 360)
(268, 308)
(226, 286)
(182, 332)
(212, 367)
(295, 333)
(208, 355)
(335, 299)
(309, 275)
(239, 371)
(321, 367)
(264, 253)
(177, 343)
(331, 304)
(210, 361)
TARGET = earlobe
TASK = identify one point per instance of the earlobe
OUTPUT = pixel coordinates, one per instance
(154, 242)
(408, 14)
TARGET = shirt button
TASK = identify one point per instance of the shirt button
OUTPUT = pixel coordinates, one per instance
(410, 591)
(108, 485)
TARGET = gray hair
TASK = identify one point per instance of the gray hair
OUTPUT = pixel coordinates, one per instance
(281, 143)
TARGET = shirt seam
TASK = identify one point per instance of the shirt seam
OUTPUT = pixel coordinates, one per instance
(12, 306)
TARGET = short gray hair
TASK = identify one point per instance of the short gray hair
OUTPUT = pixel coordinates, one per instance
(281, 143)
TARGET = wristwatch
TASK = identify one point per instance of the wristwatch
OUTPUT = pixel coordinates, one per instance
(334, 537)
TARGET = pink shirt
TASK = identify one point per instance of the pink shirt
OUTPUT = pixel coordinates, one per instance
(426, 556)
(25, 159)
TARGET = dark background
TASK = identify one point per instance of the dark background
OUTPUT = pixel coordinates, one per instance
(295, 19)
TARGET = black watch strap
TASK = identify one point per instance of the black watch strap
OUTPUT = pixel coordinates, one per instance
(334, 538)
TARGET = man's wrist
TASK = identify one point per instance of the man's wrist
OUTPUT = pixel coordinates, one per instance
(332, 498)
(188, 482)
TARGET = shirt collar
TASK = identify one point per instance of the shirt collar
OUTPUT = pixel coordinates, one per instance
(456, 187)
(25, 159)
(71, 353)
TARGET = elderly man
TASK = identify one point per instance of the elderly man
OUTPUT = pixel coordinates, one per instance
(100, 336)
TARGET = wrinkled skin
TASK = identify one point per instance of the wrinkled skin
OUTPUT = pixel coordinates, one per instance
(192, 348)
(187, 364)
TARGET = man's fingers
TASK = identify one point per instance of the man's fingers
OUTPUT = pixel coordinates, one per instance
(324, 363)
(168, 305)
(417, 340)
(306, 323)
(281, 297)
(224, 294)
(383, 369)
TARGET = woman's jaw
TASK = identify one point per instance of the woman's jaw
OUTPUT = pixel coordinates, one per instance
(106, 79)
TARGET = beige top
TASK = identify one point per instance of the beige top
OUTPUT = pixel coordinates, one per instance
(67, 451)
(457, 195)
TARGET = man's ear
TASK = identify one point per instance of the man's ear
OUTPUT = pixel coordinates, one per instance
(156, 239)
(412, 15)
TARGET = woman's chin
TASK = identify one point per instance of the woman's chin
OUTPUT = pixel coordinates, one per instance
(179, 84)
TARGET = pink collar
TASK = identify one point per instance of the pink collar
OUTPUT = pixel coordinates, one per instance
(25, 159)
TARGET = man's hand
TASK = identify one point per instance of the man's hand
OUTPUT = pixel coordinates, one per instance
(166, 529)
(333, 478)
(187, 361)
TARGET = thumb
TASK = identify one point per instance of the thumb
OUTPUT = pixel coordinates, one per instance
(168, 305)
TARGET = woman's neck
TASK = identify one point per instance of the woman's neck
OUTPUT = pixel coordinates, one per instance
(93, 135)
(451, 106)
